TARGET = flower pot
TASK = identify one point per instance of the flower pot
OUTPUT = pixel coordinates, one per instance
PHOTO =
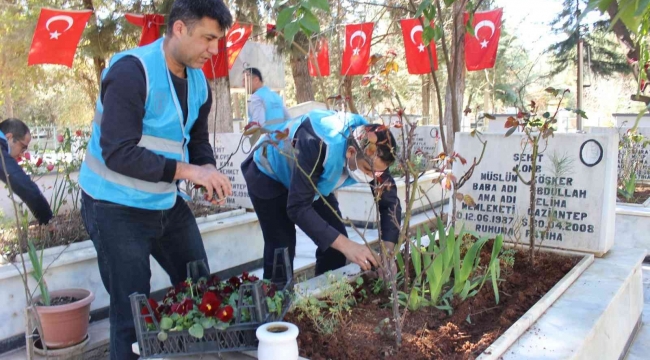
(277, 341)
(65, 325)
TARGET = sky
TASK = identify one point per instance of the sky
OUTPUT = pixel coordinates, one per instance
(530, 19)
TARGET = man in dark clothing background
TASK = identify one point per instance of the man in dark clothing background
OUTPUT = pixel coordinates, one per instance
(14, 141)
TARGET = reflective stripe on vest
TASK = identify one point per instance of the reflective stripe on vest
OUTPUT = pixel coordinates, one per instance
(100, 169)
(151, 142)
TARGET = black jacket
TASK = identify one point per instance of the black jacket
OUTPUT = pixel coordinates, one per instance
(23, 186)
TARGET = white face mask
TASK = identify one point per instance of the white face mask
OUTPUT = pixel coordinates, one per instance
(358, 175)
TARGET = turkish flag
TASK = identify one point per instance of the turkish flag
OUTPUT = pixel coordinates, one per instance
(417, 56)
(235, 40)
(56, 36)
(150, 24)
(321, 56)
(217, 66)
(356, 56)
(481, 49)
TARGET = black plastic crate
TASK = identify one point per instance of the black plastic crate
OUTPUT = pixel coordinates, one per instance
(237, 337)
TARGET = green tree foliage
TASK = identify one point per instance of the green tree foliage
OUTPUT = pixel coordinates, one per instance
(602, 53)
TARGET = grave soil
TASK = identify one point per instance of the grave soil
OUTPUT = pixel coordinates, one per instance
(430, 333)
(68, 229)
(641, 194)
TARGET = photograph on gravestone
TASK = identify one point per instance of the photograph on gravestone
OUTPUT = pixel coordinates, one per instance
(229, 156)
(575, 196)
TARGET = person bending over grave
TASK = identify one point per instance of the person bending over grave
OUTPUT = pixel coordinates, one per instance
(14, 140)
(292, 181)
(150, 131)
(265, 106)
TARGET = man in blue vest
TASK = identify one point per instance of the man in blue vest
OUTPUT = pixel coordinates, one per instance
(14, 140)
(151, 131)
(292, 181)
(264, 105)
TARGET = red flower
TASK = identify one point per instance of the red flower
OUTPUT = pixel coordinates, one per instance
(227, 290)
(78, 133)
(184, 307)
(213, 281)
(235, 282)
(253, 278)
(225, 314)
(269, 289)
(39, 162)
(209, 304)
(50, 167)
(59, 138)
(244, 276)
(145, 311)
(27, 155)
(19, 159)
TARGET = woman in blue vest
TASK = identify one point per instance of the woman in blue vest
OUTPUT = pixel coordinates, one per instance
(150, 131)
(329, 150)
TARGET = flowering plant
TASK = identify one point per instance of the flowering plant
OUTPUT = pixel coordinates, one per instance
(208, 303)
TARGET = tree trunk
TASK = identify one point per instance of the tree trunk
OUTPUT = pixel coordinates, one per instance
(220, 118)
(625, 39)
(9, 103)
(426, 100)
(456, 82)
(99, 62)
(301, 78)
(349, 100)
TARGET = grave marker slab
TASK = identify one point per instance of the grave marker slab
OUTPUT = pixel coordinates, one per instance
(643, 154)
(576, 205)
(226, 144)
(426, 139)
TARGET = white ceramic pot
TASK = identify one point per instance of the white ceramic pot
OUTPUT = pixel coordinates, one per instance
(277, 341)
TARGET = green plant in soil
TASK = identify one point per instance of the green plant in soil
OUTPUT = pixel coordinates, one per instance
(442, 273)
(537, 128)
(631, 160)
(328, 315)
(38, 273)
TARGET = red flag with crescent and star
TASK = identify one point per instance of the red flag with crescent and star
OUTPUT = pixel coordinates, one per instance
(150, 24)
(229, 48)
(356, 56)
(481, 49)
(56, 36)
(320, 55)
(417, 56)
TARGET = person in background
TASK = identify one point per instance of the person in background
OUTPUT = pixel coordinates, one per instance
(265, 106)
(293, 182)
(150, 131)
(14, 141)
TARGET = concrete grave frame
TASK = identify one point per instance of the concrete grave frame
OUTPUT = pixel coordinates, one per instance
(231, 239)
(608, 288)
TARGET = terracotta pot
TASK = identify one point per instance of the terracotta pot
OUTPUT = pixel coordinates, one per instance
(65, 325)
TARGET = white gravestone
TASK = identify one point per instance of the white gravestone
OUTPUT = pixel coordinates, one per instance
(426, 140)
(229, 159)
(641, 154)
(579, 203)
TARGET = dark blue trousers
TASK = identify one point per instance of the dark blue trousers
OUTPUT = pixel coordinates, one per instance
(280, 232)
(124, 237)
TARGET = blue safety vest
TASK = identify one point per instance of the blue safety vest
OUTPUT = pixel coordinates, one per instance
(273, 106)
(277, 161)
(164, 132)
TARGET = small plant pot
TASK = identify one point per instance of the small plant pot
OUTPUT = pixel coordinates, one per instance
(65, 325)
(277, 341)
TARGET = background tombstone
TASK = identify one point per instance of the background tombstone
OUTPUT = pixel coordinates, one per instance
(229, 156)
(578, 198)
(263, 57)
(643, 153)
(426, 139)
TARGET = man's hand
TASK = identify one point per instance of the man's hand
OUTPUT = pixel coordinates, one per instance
(207, 176)
(356, 253)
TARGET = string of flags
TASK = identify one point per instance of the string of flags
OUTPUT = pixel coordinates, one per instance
(58, 33)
